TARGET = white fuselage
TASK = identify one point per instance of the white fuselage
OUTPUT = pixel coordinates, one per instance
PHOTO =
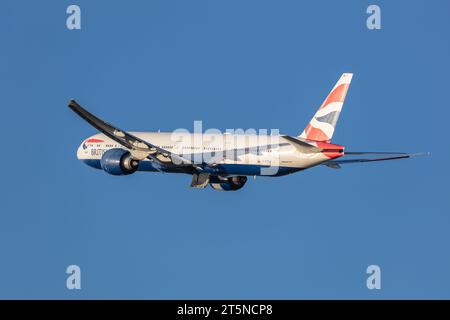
(228, 154)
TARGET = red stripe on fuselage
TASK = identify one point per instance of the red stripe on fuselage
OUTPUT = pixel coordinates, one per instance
(94, 140)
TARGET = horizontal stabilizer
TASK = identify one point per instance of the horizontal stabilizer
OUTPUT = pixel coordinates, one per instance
(392, 156)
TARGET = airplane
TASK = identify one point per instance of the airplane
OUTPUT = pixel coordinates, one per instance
(224, 160)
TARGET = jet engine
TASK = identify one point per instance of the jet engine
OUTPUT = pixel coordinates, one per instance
(118, 162)
(228, 184)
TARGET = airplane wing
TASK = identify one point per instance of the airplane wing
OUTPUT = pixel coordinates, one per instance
(139, 148)
(335, 164)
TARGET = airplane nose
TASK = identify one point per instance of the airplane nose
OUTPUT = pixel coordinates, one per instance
(82, 151)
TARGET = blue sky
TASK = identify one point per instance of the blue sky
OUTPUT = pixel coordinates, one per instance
(149, 65)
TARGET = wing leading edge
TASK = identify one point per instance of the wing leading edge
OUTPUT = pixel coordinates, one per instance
(139, 149)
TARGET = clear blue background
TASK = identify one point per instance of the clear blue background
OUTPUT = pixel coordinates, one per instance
(149, 65)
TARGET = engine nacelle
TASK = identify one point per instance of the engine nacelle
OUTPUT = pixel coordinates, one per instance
(118, 162)
(228, 184)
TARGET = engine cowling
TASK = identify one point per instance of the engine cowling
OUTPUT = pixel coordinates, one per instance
(228, 184)
(118, 162)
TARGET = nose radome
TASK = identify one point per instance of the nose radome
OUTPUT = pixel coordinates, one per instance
(82, 151)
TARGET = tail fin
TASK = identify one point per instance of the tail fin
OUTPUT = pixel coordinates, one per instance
(321, 127)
